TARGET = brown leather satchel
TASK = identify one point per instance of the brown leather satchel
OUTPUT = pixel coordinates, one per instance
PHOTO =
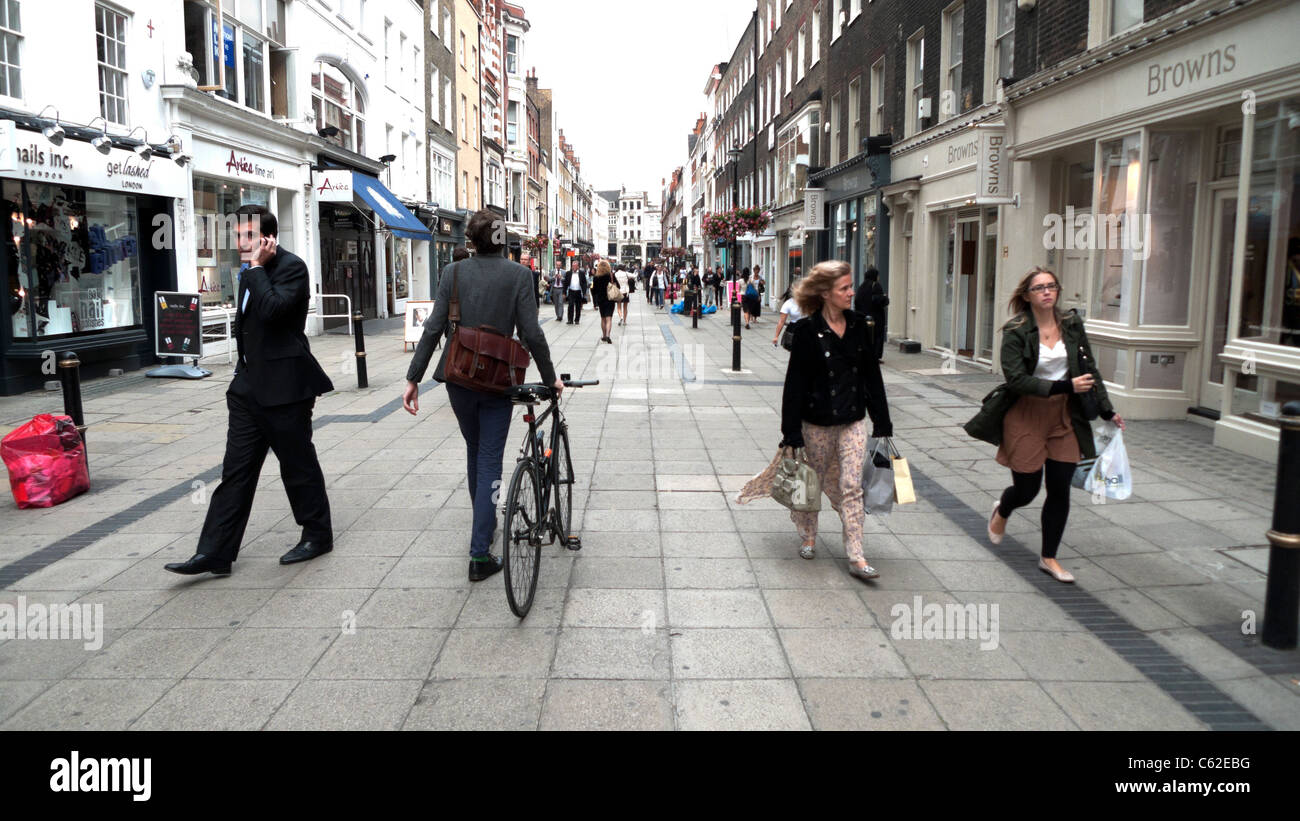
(483, 358)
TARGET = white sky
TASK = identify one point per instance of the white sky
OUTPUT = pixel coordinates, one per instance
(629, 78)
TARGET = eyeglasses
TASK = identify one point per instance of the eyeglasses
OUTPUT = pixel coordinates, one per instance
(1041, 289)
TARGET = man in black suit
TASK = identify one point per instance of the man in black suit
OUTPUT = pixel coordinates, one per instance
(872, 301)
(575, 287)
(270, 400)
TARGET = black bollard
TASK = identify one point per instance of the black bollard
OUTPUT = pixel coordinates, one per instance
(695, 305)
(1282, 594)
(362, 381)
(735, 336)
(70, 377)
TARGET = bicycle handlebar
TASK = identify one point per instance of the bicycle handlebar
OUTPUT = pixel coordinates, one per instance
(579, 383)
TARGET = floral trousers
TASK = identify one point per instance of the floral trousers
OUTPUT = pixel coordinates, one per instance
(837, 453)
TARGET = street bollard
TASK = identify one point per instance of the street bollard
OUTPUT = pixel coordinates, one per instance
(695, 308)
(735, 335)
(70, 377)
(362, 381)
(1282, 595)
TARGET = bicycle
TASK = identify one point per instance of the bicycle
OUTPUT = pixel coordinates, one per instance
(539, 470)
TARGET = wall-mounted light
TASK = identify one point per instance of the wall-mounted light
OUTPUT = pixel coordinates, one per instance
(328, 131)
(144, 151)
(103, 144)
(53, 133)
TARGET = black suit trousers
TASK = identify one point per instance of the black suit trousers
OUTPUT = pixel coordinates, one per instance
(254, 429)
(575, 306)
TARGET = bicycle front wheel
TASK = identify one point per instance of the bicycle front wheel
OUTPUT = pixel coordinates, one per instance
(563, 488)
(521, 543)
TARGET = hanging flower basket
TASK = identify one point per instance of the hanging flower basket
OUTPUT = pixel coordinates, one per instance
(727, 225)
(537, 244)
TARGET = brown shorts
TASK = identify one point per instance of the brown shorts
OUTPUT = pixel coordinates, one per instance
(1036, 429)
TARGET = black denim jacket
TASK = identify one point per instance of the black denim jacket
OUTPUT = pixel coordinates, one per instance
(832, 380)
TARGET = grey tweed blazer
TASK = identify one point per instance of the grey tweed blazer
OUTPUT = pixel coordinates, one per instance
(494, 291)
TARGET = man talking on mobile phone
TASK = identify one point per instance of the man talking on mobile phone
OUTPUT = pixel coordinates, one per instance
(270, 400)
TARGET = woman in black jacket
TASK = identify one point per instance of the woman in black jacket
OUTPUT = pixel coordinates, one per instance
(599, 295)
(832, 383)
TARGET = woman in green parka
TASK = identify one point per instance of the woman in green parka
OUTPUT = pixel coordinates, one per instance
(1049, 366)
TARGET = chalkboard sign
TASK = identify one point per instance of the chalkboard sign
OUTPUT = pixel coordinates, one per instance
(178, 324)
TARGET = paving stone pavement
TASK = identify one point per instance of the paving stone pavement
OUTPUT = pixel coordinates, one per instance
(684, 610)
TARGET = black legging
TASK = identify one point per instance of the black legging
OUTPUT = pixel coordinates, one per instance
(1056, 508)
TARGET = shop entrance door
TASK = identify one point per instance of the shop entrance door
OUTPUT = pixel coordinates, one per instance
(350, 270)
(1222, 234)
(967, 292)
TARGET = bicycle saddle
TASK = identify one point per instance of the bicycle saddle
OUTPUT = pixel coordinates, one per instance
(529, 394)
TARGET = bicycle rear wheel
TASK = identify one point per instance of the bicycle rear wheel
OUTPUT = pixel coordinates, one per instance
(563, 488)
(521, 544)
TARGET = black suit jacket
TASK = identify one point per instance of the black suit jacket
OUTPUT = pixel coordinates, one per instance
(276, 365)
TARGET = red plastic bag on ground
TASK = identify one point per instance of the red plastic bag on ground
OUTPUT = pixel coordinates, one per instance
(46, 460)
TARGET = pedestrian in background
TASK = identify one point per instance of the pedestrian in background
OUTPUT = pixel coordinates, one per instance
(756, 278)
(832, 383)
(625, 283)
(577, 292)
(1048, 364)
(790, 315)
(493, 291)
(657, 287)
(749, 296)
(872, 301)
(600, 297)
(557, 293)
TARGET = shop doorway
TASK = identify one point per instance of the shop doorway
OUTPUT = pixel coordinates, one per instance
(349, 269)
(966, 283)
(1222, 236)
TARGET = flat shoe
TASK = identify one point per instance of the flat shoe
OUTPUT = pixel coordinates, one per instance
(1064, 576)
(993, 537)
(807, 551)
(864, 573)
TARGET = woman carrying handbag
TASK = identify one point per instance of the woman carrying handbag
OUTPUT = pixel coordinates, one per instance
(1051, 379)
(606, 294)
(832, 383)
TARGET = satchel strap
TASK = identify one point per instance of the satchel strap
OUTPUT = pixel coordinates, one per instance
(453, 310)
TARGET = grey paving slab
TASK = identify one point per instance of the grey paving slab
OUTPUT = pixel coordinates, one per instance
(868, 704)
(824, 609)
(709, 573)
(689, 608)
(309, 608)
(141, 653)
(478, 704)
(207, 607)
(200, 705)
(593, 571)
(754, 704)
(99, 704)
(611, 653)
(607, 705)
(502, 652)
(347, 705)
(418, 607)
(728, 654)
(261, 653)
(995, 705)
(837, 653)
(1102, 705)
(1067, 657)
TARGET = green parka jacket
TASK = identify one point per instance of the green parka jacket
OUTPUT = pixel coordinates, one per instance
(1019, 359)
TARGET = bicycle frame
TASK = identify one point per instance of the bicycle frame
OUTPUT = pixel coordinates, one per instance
(546, 466)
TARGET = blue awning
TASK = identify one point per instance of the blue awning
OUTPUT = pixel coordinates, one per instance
(388, 208)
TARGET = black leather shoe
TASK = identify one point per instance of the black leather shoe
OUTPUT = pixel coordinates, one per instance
(480, 569)
(306, 550)
(200, 563)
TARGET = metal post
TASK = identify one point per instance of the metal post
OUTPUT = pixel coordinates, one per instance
(695, 304)
(1282, 594)
(362, 381)
(70, 377)
(735, 312)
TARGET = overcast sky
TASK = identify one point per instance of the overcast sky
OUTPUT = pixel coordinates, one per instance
(629, 78)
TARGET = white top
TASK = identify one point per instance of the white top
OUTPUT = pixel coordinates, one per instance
(1053, 364)
(791, 310)
(575, 282)
(622, 277)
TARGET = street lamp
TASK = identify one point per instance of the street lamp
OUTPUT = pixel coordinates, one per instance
(734, 155)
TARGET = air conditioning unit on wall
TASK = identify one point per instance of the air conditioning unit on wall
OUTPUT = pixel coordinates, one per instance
(923, 108)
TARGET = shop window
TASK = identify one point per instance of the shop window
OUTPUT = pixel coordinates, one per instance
(74, 255)
(1172, 174)
(337, 102)
(217, 254)
(1124, 15)
(1121, 172)
(11, 35)
(110, 53)
(254, 74)
(1265, 405)
(1270, 284)
(1112, 363)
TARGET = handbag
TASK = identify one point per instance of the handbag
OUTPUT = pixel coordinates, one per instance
(986, 425)
(878, 477)
(1088, 402)
(787, 337)
(481, 359)
(612, 292)
(904, 493)
(797, 485)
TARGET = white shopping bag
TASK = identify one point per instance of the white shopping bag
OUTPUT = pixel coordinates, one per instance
(1110, 474)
